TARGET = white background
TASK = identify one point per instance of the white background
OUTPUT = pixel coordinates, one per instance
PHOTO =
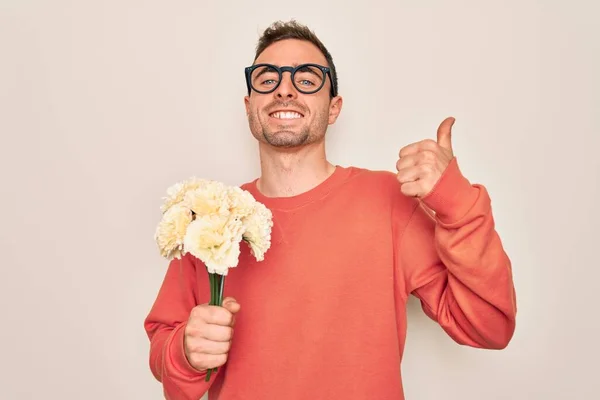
(104, 104)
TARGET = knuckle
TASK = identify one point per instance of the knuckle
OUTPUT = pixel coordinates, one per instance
(199, 313)
(221, 333)
(220, 348)
(193, 349)
(218, 333)
(197, 361)
(191, 343)
(200, 347)
(209, 332)
(230, 318)
(195, 313)
(212, 312)
(225, 316)
(427, 156)
(228, 333)
(192, 331)
(220, 316)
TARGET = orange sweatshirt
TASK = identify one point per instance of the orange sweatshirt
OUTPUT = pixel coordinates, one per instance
(324, 315)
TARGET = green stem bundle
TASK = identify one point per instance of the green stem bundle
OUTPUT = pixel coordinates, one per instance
(217, 283)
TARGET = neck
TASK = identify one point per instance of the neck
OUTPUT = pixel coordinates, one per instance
(289, 172)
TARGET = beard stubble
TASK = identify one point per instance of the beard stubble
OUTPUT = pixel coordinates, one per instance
(285, 135)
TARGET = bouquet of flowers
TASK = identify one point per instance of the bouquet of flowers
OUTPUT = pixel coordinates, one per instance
(209, 220)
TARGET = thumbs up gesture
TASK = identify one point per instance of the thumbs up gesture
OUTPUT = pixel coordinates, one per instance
(421, 164)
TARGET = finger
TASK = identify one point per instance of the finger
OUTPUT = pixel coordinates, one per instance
(205, 361)
(444, 133)
(410, 174)
(420, 171)
(412, 189)
(413, 148)
(206, 314)
(420, 158)
(220, 316)
(218, 333)
(205, 346)
(407, 161)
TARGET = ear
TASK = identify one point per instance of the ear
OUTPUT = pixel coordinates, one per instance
(247, 104)
(335, 107)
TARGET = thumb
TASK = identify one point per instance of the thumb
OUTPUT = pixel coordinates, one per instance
(444, 133)
(231, 305)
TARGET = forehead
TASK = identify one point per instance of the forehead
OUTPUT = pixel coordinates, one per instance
(291, 52)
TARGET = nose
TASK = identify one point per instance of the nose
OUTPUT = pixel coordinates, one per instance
(286, 89)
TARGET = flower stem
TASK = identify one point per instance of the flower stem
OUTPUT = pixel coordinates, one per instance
(211, 279)
(221, 285)
(214, 290)
(217, 283)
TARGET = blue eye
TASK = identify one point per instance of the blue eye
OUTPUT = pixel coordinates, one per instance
(306, 82)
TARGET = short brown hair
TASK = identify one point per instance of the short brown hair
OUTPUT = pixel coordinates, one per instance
(280, 30)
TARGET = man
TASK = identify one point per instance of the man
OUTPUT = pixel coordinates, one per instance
(323, 316)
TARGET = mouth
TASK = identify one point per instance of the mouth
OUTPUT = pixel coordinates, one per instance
(286, 114)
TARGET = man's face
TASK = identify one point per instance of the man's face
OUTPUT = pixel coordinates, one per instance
(287, 118)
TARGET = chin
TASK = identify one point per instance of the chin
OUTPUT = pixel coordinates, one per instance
(286, 138)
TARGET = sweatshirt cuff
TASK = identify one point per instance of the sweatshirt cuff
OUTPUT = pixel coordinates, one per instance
(177, 355)
(453, 196)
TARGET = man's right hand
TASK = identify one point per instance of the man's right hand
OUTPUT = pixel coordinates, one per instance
(208, 334)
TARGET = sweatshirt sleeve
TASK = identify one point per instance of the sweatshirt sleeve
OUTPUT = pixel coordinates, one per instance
(454, 262)
(165, 327)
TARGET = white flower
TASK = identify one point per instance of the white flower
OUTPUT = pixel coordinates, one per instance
(171, 231)
(241, 202)
(215, 240)
(207, 199)
(209, 220)
(176, 193)
(258, 231)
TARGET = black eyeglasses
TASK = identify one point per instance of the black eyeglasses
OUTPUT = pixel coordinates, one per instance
(306, 78)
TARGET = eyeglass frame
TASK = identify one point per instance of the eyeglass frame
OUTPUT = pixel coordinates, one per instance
(292, 70)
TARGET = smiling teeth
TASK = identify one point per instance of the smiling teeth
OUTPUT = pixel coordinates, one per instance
(286, 115)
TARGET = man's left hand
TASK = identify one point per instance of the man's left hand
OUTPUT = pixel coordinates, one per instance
(421, 164)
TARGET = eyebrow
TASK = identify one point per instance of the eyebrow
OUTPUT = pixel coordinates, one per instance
(308, 69)
(264, 70)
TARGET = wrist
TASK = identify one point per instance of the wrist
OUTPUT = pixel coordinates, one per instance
(453, 196)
